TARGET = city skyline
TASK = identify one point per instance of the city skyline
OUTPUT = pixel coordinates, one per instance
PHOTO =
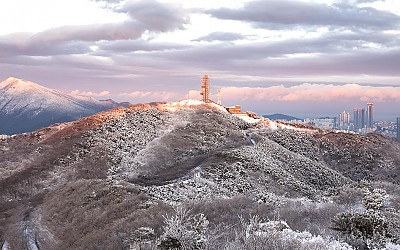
(361, 119)
(308, 57)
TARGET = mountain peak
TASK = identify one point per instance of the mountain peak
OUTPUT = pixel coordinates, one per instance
(17, 84)
(11, 78)
(26, 106)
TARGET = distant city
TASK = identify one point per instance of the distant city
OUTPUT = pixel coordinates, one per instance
(361, 122)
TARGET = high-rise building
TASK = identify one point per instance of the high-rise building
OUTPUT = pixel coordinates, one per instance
(357, 119)
(205, 88)
(398, 127)
(335, 123)
(362, 118)
(370, 115)
(344, 119)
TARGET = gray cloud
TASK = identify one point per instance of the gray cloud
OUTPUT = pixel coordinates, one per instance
(10, 48)
(356, 1)
(221, 36)
(109, 1)
(107, 48)
(155, 16)
(143, 16)
(328, 45)
(277, 14)
(334, 54)
(95, 32)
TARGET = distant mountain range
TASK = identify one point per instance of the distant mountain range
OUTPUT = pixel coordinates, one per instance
(26, 106)
(282, 117)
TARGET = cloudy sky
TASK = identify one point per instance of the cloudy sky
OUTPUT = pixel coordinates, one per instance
(301, 57)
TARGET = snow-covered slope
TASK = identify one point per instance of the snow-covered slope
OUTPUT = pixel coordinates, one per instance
(26, 106)
(139, 172)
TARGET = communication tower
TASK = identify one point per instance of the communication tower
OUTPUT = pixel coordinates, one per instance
(219, 97)
(205, 88)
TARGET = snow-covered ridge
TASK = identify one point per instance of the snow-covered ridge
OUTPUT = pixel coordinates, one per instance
(274, 125)
(26, 106)
(191, 103)
(265, 122)
(16, 87)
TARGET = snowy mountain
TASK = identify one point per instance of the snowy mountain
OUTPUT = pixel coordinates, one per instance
(26, 106)
(189, 175)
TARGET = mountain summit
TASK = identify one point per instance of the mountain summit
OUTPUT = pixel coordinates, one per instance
(174, 175)
(26, 106)
(15, 85)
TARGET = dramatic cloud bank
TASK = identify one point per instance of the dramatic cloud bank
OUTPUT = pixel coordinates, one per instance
(143, 16)
(314, 92)
(277, 14)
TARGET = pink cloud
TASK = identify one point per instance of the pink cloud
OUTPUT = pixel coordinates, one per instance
(313, 92)
(193, 94)
(151, 96)
(90, 93)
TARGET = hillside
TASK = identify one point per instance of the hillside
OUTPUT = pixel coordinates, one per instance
(26, 106)
(189, 175)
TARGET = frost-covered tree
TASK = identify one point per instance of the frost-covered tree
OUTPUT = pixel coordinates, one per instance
(375, 227)
(374, 200)
(184, 231)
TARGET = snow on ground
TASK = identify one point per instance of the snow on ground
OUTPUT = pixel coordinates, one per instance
(307, 239)
(189, 103)
(304, 239)
(30, 239)
(247, 118)
(6, 246)
(273, 125)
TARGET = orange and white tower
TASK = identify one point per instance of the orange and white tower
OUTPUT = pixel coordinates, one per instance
(205, 88)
